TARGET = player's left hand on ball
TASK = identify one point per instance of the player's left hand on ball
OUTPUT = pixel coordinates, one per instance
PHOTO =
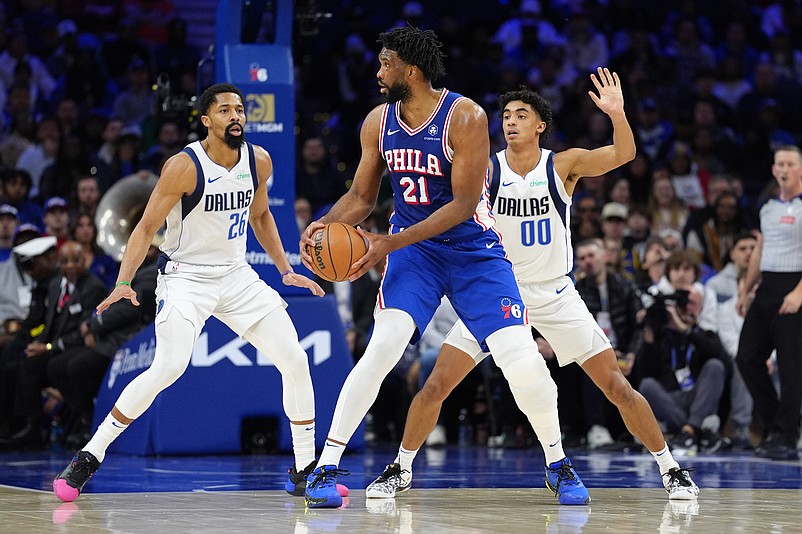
(299, 280)
(379, 246)
(306, 240)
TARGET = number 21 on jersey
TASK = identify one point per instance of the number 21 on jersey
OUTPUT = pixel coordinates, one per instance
(415, 192)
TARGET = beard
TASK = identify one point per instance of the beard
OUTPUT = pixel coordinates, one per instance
(398, 92)
(234, 141)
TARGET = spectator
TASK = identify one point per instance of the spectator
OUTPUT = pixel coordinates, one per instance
(716, 236)
(614, 302)
(667, 210)
(654, 133)
(41, 155)
(621, 192)
(16, 52)
(169, 141)
(633, 245)
(87, 195)
(57, 219)
(84, 231)
(683, 372)
(303, 213)
(315, 178)
(8, 226)
(614, 220)
(137, 102)
(176, 55)
(730, 324)
(38, 258)
(71, 300)
(689, 184)
(698, 217)
(725, 283)
(77, 372)
(15, 188)
(15, 293)
(653, 266)
(72, 161)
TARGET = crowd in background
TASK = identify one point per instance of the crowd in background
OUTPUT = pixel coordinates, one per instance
(711, 89)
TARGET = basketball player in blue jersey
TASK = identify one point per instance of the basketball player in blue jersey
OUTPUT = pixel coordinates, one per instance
(435, 145)
(209, 193)
(531, 190)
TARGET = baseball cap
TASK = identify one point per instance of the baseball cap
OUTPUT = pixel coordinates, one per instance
(55, 203)
(614, 209)
(8, 209)
(35, 247)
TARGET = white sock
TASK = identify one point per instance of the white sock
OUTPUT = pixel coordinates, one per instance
(405, 459)
(107, 432)
(303, 444)
(332, 454)
(664, 460)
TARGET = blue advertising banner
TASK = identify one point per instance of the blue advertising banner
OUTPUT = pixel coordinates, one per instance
(227, 382)
(253, 51)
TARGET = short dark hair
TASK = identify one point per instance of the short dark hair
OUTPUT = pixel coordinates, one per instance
(416, 47)
(742, 236)
(528, 96)
(210, 95)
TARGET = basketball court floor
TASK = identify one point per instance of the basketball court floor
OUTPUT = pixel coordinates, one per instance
(466, 490)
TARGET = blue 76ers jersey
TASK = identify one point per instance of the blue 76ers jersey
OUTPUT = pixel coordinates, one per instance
(419, 161)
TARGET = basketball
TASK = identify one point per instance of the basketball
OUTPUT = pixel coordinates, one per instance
(337, 247)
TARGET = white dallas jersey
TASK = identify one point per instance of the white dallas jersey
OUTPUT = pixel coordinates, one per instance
(210, 226)
(532, 214)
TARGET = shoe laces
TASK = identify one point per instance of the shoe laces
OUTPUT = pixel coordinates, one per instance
(679, 476)
(326, 477)
(81, 468)
(392, 473)
(565, 474)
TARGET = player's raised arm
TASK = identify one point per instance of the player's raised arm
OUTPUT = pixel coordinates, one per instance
(577, 162)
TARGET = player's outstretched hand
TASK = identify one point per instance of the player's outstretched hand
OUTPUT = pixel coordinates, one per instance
(379, 246)
(122, 291)
(610, 98)
(299, 280)
(306, 239)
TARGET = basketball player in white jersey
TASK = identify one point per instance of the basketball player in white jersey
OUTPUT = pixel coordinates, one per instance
(209, 193)
(532, 212)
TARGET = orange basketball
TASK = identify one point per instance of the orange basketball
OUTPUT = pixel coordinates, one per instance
(337, 247)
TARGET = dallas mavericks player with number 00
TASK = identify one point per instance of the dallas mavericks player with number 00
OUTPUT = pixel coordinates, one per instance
(531, 192)
(209, 193)
(435, 145)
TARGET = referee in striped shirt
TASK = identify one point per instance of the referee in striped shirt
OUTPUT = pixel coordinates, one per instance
(773, 320)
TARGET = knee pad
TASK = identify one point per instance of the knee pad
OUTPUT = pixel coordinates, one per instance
(515, 352)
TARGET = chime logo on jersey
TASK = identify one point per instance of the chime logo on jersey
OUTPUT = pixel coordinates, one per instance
(230, 200)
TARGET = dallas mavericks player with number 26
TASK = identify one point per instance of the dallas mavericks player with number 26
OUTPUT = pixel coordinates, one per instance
(531, 190)
(209, 193)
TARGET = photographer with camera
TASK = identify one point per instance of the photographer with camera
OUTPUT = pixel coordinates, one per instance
(682, 365)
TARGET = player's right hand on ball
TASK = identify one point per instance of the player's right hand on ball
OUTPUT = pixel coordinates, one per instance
(306, 240)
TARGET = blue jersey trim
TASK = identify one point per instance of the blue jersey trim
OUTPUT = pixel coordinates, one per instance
(189, 202)
(556, 199)
(252, 164)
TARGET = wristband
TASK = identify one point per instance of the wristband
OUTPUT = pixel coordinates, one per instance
(118, 284)
(288, 271)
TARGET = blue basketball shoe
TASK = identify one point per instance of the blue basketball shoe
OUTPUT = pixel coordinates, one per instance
(321, 487)
(562, 479)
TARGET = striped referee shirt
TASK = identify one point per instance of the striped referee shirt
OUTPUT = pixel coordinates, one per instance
(781, 225)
